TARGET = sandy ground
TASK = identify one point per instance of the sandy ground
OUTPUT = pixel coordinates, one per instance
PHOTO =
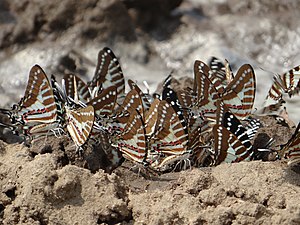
(40, 190)
(49, 183)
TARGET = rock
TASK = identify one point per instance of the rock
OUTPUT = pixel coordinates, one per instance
(40, 20)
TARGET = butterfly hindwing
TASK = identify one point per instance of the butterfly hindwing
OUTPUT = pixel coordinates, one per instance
(80, 124)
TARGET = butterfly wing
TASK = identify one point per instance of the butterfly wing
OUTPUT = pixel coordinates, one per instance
(239, 95)
(80, 124)
(291, 149)
(134, 86)
(38, 104)
(104, 103)
(72, 82)
(169, 136)
(288, 83)
(108, 73)
(132, 141)
(231, 140)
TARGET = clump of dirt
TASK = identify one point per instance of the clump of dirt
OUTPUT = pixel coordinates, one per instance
(64, 152)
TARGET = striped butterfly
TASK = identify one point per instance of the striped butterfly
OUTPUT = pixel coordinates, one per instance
(288, 83)
(77, 91)
(239, 94)
(203, 110)
(103, 105)
(76, 88)
(291, 149)
(78, 117)
(37, 110)
(231, 140)
(167, 140)
(120, 117)
(171, 97)
(155, 140)
(132, 140)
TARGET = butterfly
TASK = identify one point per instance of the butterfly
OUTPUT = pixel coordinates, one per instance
(36, 113)
(154, 138)
(231, 140)
(203, 99)
(104, 105)
(288, 82)
(76, 88)
(238, 95)
(171, 97)
(132, 140)
(291, 149)
(167, 140)
(121, 115)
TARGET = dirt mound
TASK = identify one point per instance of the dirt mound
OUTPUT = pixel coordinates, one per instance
(39, 189)
(36, 190)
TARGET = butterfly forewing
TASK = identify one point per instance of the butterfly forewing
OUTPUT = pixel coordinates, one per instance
(201, 69)
(169, 136)
(151, 117)
(132, 141)
(105, 102)
(291, 81)
(186, 100)
(239, 95)
(80, 123)
(134, 86)
(38, 104)
(231, 140)
(206, 91)
(171, 97)
(120, 118)
(132, 101)
(234, 126)
(108, 72)
(228, 147)
(72, 82)
(218, 73)
(204, 110)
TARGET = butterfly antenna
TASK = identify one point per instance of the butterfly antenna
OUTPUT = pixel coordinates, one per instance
(76, 98)
(147, 86)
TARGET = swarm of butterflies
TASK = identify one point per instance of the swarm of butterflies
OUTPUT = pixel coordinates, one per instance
(203, 125)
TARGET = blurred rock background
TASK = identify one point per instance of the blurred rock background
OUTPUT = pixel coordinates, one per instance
(151, 39)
